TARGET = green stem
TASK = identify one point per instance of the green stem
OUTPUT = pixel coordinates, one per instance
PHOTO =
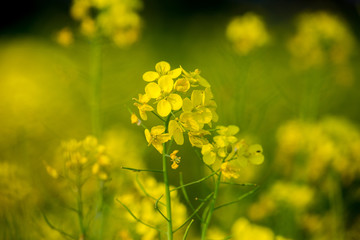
(211, 208)
(95, 71)
(167, 186)
(167, 194)
(80, 211)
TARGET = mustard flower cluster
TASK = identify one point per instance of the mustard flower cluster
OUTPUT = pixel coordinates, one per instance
(83, 158)
(247, 32)
(142, 205)
(321, 38)
(332, 143)
(184, 102)
(117, 20)
(245, 230)
(295, 196)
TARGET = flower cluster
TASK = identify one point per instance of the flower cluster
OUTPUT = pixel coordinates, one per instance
(321, 38)
(142, 202)
(116, 19)
(308, 150)
(184, 102)
(247, 33)
(81, 158)
(295, 196)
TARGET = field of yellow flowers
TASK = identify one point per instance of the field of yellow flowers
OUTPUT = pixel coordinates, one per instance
(130, 119)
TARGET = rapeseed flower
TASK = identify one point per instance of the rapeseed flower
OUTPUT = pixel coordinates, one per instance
(247, 33)
(157, 137)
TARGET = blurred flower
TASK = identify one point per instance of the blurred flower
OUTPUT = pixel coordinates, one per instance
(116, 19)
(65, 37)
(332, 142)
(322, 38)
(247, 33)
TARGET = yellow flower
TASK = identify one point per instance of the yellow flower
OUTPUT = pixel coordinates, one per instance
(175, 159)
(197, 138)
(226, 135)
(162, 91)
(247, 33)
(195, 79)
(65, 37)
(230, 170)
(176, 131)
(209, 154)
(201, 106)
(157, 137)
(162, 69)
(134, 119)
(142, 105)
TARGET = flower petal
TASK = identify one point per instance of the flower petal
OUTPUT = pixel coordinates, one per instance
(182, 85)
(150, 76)
(163, 108)
(175, 101)
(157, 130)
(162, 67)
(166, 83)
(153, 90)
(175, 73)
(209, 158)
(148, 136)
(196, 97)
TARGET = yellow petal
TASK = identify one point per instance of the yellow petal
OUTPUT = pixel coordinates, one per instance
(206, 149)
(196, 97)
(144, 98)
(187, 105)
(173, 125)
(148, 136)
(163, 138)
(157, 130)
(166, 83)
(182, 85)
(257, 159)
(150, 76)
(143, 115)
(174, 73)
(158, 147)
(209, 158)
(232, 130)
(163, 108)
(179, 137)
(176, 101)
(162, 67)
(153, 90)
(134, 118)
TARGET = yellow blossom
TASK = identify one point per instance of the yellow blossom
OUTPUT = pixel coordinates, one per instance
(157, 137)
(175, 159)
(162, 69)
(134, 119)
(247, 33)
(197, 138)
(143, 106)
(65, 37)
(176, 131)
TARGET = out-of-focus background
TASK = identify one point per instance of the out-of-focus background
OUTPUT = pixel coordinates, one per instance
(286, 72)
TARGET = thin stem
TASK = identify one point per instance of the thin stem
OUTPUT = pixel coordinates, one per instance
(167, 187)
(211, 208)
(136, 218)
(95, 71)
(80, 211)
(240, 184)
(237, 200)
(56, 229)
(187, 229)
(194, 213)
(142, 170)
(159, 116)
(167, 194)
(187, 197)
